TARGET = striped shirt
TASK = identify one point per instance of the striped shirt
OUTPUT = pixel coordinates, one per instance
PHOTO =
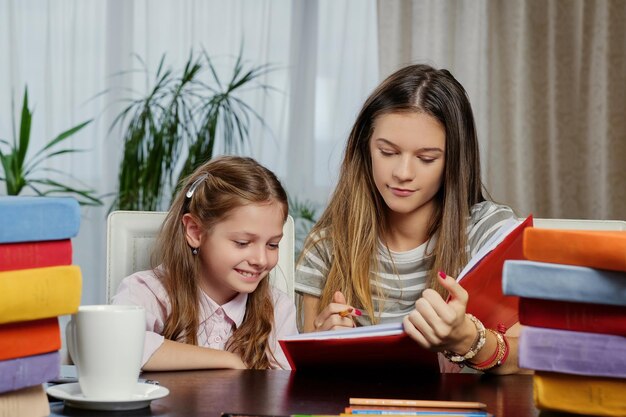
(402, 289)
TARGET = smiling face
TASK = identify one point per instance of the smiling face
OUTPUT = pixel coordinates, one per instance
(408, 159)
(239, 251)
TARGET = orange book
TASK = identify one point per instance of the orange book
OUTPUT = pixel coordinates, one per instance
(27, 338)
(593, 249)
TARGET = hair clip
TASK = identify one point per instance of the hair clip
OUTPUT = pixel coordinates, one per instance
(194, 185)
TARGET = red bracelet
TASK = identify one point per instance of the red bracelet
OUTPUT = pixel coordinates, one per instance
(498, 357)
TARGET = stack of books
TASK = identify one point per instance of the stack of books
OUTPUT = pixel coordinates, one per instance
(37, 284)
(573, 308)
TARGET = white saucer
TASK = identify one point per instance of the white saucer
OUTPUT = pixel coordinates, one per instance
(72, 395)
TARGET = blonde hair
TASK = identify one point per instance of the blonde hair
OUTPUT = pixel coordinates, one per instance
(356, 214)
(223, 184)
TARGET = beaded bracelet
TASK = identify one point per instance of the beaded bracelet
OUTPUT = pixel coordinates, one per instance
(479, 342)
(498, 357)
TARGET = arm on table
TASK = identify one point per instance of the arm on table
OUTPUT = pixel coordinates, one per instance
(181, 356)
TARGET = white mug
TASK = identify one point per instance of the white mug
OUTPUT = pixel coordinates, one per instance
(106, 344)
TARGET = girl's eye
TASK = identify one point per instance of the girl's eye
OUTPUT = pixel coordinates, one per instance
(427, 160)
(273, 246)
(387, 152)
(241, 244)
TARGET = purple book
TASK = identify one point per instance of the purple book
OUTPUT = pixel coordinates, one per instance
(571, 352)
(28, 371)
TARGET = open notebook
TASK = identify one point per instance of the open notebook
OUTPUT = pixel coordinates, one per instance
(387, 346)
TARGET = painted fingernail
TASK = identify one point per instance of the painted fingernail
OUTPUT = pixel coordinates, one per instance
(442, 274)
(357, 312)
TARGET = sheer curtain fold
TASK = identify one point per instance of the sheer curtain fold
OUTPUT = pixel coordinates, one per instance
(72, 54)
(547, 80)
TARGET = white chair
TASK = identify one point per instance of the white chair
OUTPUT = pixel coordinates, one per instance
(131, 235)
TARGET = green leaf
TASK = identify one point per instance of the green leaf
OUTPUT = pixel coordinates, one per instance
(24, 130)
(64, 135)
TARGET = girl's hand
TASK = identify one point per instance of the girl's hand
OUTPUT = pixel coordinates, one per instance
(337, 315)
(437, 325)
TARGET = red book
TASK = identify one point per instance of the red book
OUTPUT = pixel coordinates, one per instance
(565, 315)
(483, 282)
(27, 338)
(380, 346)
(40, 254)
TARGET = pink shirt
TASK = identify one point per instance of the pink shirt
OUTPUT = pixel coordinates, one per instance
(216, 323)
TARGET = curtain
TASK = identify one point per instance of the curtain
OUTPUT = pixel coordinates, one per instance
(80, 60)
(547, 82)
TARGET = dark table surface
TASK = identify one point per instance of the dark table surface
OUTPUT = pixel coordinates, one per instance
(210, 393)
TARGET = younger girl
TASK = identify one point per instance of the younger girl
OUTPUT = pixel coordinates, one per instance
(407, 207)
(209, 303)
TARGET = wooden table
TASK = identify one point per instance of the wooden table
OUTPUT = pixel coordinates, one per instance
(209, 393)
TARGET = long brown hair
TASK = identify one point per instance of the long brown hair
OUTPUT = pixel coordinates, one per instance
(355, 216)
(224, 184)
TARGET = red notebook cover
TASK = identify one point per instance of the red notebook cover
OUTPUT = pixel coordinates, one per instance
(365, 352)
(484, 282)
(565, 315)
(29, 255)
(27, 338)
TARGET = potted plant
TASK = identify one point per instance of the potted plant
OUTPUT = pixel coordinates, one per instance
(20, 172)
(181, 116)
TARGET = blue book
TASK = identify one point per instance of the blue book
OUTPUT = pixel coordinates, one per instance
(28, 371)
(568, 352)
(33, 219)
(564, 283)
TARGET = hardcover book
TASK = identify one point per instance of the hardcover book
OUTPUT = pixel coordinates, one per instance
(26, 338)
(576, 316)
(594, 249)
(368, 347)
(25, 402)
(564, 283)
(580, 395)
(575, 353)
(31, 294)
(28, 371)
(29, 219)
(482, 277)
(26, 255)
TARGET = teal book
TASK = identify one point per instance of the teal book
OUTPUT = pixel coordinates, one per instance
(32, 219)
(561, 282)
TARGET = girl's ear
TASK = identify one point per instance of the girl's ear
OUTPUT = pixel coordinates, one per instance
(193, 230)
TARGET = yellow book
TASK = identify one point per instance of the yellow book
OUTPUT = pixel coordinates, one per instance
(25, 402)
(37, 293)
(580, 394)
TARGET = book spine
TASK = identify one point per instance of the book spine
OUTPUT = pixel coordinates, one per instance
(25, 402)
(31, 219)
(27, 255)
(575, 353)
(594, 249)
(31, 294)
(580, 395)
(564, 283)
(31, 370)
(29, 338)
(565, 315)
